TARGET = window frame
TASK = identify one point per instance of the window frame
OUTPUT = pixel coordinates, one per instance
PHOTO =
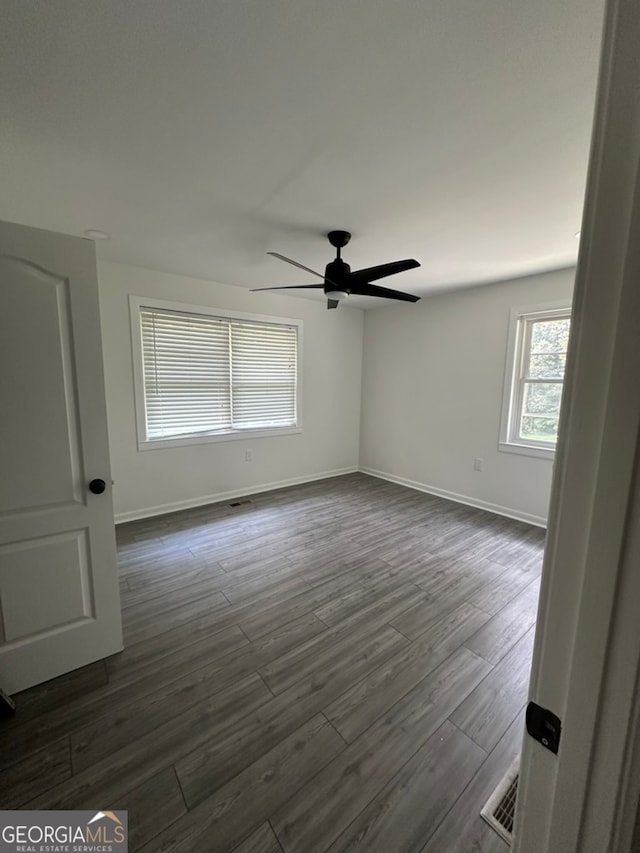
(520, 320)
(136, 303)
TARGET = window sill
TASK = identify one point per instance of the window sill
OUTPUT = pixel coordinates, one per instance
(527, 450)
(212, 438)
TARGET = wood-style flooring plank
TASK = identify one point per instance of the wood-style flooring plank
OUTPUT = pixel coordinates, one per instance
(261, 841)
(157, 586)
(152, 806)
(106, 700)
(146, 629)
(286, 637)
(326, 652)
(314, 817)
(63, 690)
(496, 594)
(189, 651)
(265, 619)
(524, 552)
(221, 821)
(276, 603)
(436, 575)
(503, 630)
(166, 562)
(136, 719)
(35, 774)
(415, 621)
(494, 703)
(209, 766)
(463, 830)
(404, 814)
(136, 763)
(154, 707)
(154, 607)
(249, 589)
(362, 704)
(386, 598)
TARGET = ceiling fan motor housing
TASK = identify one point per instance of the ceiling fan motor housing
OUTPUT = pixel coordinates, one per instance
(337, 272)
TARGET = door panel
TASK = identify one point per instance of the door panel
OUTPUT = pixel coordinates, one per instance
(48, 564)
(59, 600)
(34, 327)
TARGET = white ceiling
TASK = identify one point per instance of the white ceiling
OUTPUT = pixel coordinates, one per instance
(203, 133)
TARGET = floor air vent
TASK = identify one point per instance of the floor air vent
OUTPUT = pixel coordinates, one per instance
(500, 810)
(239, 503)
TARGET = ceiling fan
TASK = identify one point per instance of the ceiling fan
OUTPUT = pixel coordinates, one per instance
(339, 282)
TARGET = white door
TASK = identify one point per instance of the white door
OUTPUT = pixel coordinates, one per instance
(59, 598)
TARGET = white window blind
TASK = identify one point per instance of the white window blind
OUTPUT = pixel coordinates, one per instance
(263, 374)
(205, 374)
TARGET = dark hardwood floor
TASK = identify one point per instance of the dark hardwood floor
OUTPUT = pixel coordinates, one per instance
(337, 666)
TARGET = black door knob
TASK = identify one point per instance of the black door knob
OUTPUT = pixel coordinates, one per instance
(97, 486)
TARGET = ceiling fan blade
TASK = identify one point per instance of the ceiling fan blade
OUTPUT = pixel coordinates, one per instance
(295, 264)
(333, 303)
(290, 287)
(373, 290)
(302, 267)
(383, 270)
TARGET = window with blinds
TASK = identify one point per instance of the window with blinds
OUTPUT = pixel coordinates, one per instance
(205, 375)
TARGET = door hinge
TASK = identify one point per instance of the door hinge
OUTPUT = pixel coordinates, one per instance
(544, 726)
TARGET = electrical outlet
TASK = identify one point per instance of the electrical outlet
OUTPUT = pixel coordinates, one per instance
(478, 464)
(248, 456)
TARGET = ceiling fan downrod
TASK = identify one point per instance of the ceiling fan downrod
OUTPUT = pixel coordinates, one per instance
(339, 240)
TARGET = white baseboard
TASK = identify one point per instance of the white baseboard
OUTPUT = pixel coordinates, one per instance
(537, 520)
(218, 497)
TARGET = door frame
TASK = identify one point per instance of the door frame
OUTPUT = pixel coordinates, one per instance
(586, 662)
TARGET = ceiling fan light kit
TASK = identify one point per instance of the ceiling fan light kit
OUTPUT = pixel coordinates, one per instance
(336, 294)
(339, 282)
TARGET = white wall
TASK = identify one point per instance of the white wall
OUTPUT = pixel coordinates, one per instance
(432, 396)
(152, 481)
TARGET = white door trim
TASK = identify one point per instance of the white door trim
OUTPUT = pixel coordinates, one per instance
(587, 652)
